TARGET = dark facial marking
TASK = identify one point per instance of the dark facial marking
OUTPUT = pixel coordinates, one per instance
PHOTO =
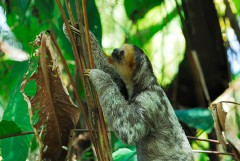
(117, 54)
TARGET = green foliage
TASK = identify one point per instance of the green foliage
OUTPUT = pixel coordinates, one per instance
(124, 154)
(16, 114)
(94, 20)
(136, 9)
(16, 148)
(8, 127)
(198, 118)
(237, 5)
(30, 88)
(27, 19)
(151, 25)
(10, 71)
(34, 144)
(145, 35)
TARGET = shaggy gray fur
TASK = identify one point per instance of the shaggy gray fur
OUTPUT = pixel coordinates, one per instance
(147, 120)
(146, 117)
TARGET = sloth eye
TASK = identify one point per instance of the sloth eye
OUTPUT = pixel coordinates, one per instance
(121, 52)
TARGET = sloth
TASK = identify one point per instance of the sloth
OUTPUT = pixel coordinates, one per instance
(135, 106)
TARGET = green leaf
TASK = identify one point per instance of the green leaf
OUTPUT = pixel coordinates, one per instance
(29, 19)
(20, 7)
(16, 148)
(30, 88)
(138, 8)
(124, 154)
(199, 118)
(119, 144)
(94, 20)
(11, 71)
(237, 5)
(146, 34)
(8, 127)
(44, 10)
(34, 144)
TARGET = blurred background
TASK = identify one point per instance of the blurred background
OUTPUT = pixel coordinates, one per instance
(194, 47)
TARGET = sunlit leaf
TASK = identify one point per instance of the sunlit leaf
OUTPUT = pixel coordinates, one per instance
(124, 154)
(237, 5)
(146, 34)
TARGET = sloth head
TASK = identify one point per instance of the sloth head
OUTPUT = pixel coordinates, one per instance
(129, 60)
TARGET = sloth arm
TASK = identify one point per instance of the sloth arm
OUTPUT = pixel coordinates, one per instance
(130, 121)
(101, 62)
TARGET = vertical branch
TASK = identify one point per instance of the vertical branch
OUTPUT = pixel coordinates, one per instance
(201, 76)
(87, 34)
(71, 17)
(84, 60)
(77, 62)
(104, 142)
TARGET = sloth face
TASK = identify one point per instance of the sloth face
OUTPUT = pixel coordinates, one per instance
(123, 60)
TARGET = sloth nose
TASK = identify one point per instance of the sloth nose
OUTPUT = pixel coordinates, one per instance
(117, 54)
(115, 51)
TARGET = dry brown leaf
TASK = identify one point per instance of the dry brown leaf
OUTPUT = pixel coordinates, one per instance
(52, 106)
(231, 126)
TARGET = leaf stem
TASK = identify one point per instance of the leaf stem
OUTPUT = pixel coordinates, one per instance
(16, 134)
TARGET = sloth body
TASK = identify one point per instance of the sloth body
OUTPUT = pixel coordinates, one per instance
(135, 106)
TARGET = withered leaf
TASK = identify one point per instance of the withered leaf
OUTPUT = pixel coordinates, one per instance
(53, 114)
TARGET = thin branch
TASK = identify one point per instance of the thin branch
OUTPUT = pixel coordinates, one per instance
(100, 113)
(16, 134)
(86, 130)
(207, 140)
(71, 17)
(229, 102)
(87, 34)
(76, 59)
(212, 152)
(201, 76)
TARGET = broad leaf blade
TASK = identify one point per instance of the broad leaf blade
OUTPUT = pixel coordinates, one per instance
(16, 148)
(52, 111)
(138, 8)
(199, 118)
(8, 127)
(124, 154)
